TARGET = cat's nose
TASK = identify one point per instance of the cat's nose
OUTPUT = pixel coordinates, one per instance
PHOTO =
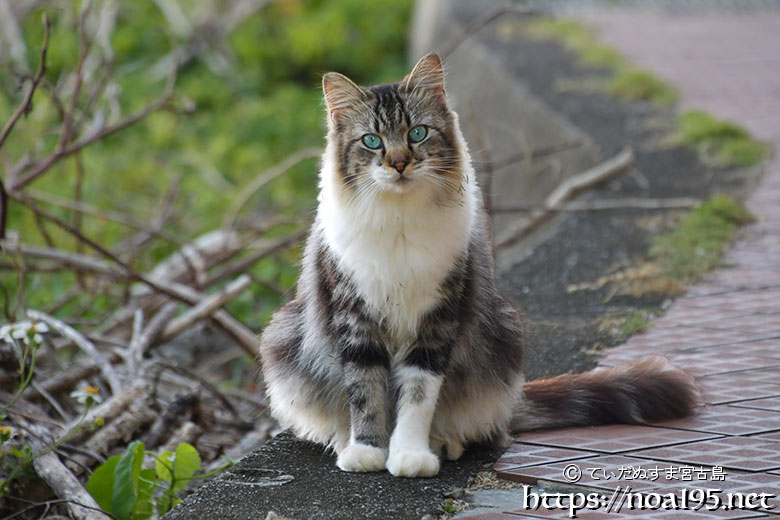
(400, 166)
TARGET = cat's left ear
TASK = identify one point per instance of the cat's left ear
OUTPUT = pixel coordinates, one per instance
(341, 93)
(427, 76)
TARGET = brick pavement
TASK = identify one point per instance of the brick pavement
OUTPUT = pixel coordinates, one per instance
(725, 330)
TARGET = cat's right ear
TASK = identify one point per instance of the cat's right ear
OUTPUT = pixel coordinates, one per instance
(341, 94)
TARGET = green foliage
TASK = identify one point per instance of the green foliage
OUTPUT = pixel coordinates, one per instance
(699, 240)
(265, 106)
(124, 488)
(625, 81)
(449, 506)
(719, 142)
(632, 83)
(636, 322)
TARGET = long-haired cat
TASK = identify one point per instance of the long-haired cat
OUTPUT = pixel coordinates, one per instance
(398, 346)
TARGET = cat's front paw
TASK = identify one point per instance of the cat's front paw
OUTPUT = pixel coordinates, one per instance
(413, 463)
(362, 458)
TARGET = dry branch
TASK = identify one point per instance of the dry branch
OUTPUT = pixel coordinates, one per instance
(140, 413)
(110, 408)
(606, 204)
(65, 485)
(66, 258)
(206, 307)
(84, 344)
(56, 475)
(145, 338)
(566, 190)
(24, 106)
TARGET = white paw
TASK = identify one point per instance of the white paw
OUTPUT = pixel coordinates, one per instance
(413, 463)
(362, 457)
(454, 450)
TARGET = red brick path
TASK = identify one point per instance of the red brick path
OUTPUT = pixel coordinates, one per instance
(726, 330)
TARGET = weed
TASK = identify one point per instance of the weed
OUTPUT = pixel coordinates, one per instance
(720, 143)
(636, 322)
(699, 240)
(631, 83)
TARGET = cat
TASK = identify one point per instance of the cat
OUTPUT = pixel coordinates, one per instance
(398, 346)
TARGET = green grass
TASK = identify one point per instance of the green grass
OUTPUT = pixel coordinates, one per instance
(699, 240)
(631, 83)
(625, 81)
(636, 322)
(720, 143)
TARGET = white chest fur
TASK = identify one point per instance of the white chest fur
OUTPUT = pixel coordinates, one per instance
(397, 250)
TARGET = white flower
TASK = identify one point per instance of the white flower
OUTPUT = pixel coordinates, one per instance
(23, 330)
(87, 395)
(5, 333)
(6, 434)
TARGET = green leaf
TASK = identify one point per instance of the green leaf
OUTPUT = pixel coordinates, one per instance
(185, 464)
(144, 506)
(125, 491)
(101, 484)
(163, 465)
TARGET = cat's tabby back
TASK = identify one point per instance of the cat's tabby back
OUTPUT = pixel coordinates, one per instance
(398, 346)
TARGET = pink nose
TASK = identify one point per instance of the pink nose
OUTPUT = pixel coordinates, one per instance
(400, 166)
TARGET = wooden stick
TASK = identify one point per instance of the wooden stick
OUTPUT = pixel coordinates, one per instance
(206, 307)
(110, 408)
(142, 340)
(74, 260)
(84, 344)
(55, 474)
(607, 204)
(66, 486)
(566, 190)
(25, 104)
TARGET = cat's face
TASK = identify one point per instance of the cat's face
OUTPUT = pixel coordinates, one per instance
(394, 138)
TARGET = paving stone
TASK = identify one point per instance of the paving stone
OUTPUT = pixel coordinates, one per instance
(608, 472)
(769, 403)
(521, 455)
(699, 362)
(729, 420)
(741, 453)
(612, 438)
(770, 437)
(740, 386)
(763, 348)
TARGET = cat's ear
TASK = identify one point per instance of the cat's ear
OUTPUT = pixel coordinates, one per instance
(426, 76)
(341, 93)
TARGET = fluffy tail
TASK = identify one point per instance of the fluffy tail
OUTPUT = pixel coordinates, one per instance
(643, 391)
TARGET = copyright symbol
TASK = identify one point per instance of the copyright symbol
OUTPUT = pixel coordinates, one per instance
(572, 473)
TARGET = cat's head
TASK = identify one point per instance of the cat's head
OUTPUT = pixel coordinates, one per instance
(394, 138)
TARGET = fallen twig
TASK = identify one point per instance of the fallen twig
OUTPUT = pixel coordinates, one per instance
(66, 258)
(607, 204)
(143, 339)
(566, 190)
(84, 344)
(206, 307)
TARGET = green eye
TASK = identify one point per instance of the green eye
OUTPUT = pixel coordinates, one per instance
(372, 141)
(418, 133)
